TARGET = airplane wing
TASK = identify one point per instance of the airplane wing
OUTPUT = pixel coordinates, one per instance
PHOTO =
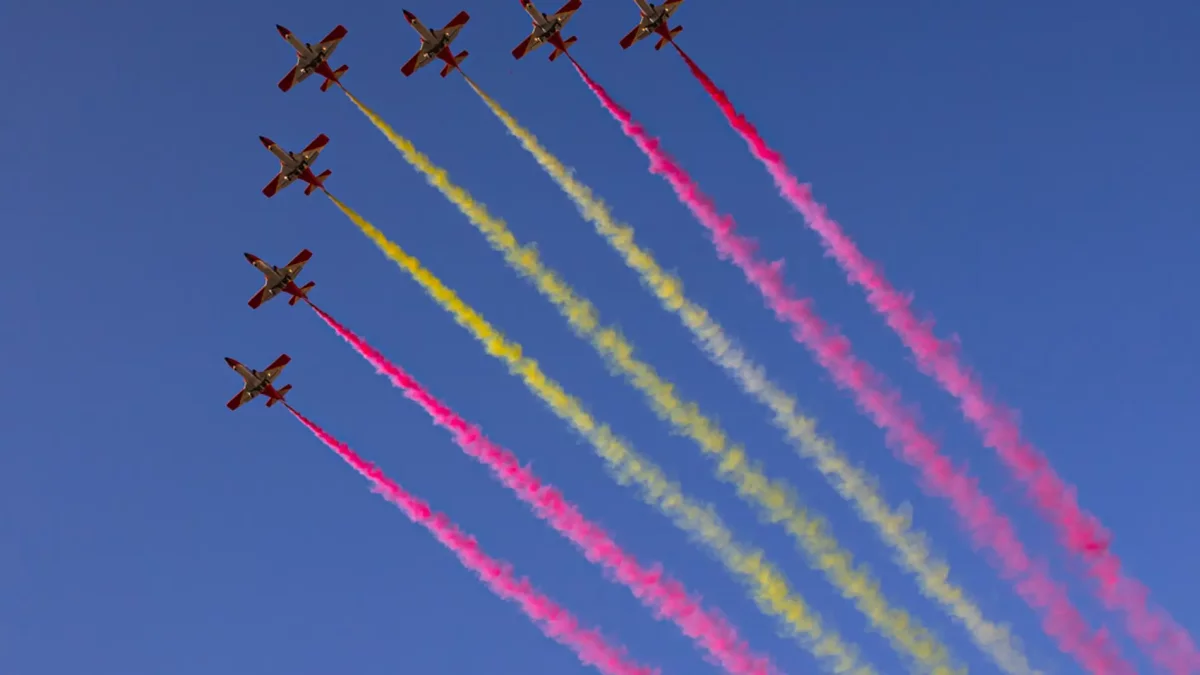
(264, 294)
(331, 41)
(310, 153)
(456, 24)
(418, 61)
(633, 36)
(293, 268)
(280, 181)
(275, 368)
(238, 399)
(565, 12)
(295, 76)
(526, 45)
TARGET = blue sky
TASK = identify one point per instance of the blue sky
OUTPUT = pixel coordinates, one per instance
(1028, 171)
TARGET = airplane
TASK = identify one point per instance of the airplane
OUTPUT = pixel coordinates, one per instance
(435, 44)
(313, 59)
(654, 20)
(259, 383)
(280, 280)
(293, 166)
(548, 29)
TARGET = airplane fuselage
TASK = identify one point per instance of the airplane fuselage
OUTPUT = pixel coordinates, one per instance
(258, 383)
(543, 26)
(433, 42)
(544, 30)
(652, 16)
(276, 279)
(293, 165)
(309, 58)
(255, 382)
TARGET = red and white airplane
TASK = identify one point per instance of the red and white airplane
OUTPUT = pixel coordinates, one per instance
(313, 59)
(294, 166)
(435, 44)
(281, 280)
(654, 20)
(259, 383)
(548, 29)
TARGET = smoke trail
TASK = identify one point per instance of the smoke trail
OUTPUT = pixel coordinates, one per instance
(1168, 644)
(556, 623)
(770, 589)
(667, 597)
(776, 500)
(987, 527)
(850, 481)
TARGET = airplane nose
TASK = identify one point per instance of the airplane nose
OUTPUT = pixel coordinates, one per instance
(266, 141)
(282, 31)
(230, 361)
(249, 257)
(408, 15)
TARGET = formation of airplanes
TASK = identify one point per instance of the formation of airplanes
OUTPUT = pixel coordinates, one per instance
(435, 45)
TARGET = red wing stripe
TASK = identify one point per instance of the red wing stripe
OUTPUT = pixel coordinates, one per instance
(318, 143)
(235, 401)
(289, 79)
(335, 34)
(302, 256)
(459, 20)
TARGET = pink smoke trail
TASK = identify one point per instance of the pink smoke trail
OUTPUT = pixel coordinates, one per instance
(987, 527)
(667, 597)
(556, 623)
(1079, 531)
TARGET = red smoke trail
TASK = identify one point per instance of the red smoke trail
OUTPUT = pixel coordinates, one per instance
(1167, 643)
(987, 527)
(667, 597)
(556, 623)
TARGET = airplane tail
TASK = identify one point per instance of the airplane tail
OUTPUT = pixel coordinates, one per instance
(303, 293)
(566, 44)
(337, 76)
(662, 41)
(282, 392)
(457, 59)
(320, 182)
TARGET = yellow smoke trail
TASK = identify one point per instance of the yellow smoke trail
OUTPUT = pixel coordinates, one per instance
(771, 590)
(775, 498)
(778, 503)
(894, 525)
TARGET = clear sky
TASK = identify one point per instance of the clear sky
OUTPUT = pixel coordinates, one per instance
(1028, 170)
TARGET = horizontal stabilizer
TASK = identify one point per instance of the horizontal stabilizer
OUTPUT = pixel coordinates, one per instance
(664, 40)
(282, 392)
(566, 44)
(320, 182)
(303, 293)
(337, 76)
(457, 60)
